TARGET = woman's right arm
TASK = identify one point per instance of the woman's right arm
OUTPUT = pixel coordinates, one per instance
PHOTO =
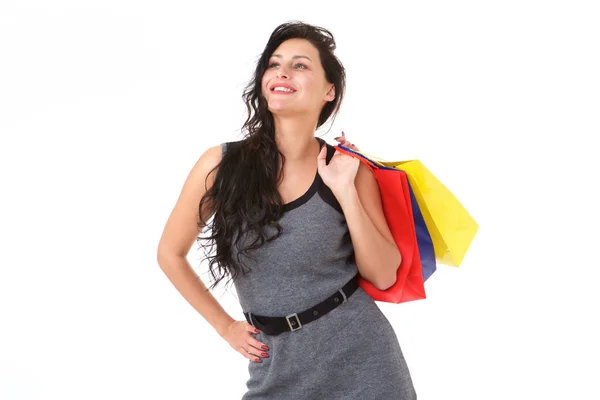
(181, 231)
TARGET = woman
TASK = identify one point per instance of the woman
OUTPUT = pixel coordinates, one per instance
(294, 223)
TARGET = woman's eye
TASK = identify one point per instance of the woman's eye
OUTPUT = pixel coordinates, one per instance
(296, 65)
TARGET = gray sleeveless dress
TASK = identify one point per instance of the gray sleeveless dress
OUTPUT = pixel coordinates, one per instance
(351, 353)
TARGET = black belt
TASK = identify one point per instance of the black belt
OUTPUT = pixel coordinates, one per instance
(293, 322)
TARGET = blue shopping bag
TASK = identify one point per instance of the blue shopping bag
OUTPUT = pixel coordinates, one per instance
(424, 242)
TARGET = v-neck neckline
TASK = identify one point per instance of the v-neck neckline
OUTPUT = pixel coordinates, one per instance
(311, 190)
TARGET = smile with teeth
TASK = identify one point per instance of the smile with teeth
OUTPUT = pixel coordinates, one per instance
(282, 89)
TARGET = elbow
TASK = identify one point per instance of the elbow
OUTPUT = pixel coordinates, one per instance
(163, 257)
(385, 285)
(160, 253)
(165, 253)
(392, 275)
(160, 258)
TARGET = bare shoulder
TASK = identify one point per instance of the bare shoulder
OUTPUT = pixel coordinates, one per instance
(206, 166)
(182, 228)
(202, 175)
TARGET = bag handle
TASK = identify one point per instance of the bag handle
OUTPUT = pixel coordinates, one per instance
(372, 157)
(361, 156)
(344, 150)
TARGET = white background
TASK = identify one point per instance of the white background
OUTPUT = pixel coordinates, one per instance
(106, 105)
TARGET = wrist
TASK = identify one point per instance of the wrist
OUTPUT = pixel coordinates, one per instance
(222, 328)
(346, 194)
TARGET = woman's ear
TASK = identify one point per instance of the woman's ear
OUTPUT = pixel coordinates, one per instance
(330, 96)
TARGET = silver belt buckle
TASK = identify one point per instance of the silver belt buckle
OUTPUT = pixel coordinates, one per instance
(290, 323)
(344, 295)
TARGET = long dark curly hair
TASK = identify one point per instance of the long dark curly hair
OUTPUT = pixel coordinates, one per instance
(244, 194)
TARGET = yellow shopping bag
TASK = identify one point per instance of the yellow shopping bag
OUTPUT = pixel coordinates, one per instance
(450, 225)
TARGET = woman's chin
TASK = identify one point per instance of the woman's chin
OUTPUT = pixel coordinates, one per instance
(281, 109)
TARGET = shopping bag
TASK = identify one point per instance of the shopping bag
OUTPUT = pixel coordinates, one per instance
(395, 197)
(424, 242)
(450, 225)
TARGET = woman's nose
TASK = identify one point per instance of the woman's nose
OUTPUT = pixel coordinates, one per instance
(282, 72)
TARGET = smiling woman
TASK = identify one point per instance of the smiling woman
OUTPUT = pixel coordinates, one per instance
(295, 223)
(293, 81)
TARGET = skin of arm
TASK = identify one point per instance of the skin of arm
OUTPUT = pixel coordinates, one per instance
(376, 253)
(181, 231)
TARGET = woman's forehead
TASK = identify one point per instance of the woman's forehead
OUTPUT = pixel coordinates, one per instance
(296, 47)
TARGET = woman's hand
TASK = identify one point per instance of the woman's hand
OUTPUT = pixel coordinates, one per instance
(239, 336)
(344, 142)
(339, 174)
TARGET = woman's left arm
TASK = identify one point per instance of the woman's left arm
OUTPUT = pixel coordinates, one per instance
(376, 253)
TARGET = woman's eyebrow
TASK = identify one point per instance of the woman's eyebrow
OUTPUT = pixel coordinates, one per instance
(293, 57)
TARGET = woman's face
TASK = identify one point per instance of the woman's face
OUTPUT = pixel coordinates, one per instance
(295, 68)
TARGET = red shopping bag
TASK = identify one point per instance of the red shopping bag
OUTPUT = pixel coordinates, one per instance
(397, 208)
